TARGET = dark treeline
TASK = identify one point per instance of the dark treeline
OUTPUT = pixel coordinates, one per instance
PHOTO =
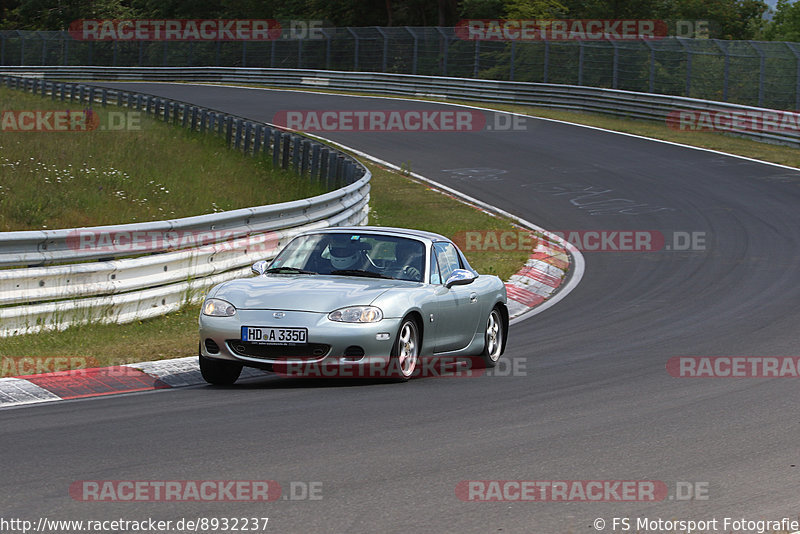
(731, 19)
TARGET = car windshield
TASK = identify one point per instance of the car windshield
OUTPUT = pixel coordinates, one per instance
(353, 254)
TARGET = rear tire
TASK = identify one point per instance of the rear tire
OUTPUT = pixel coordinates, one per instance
(405, 352)
(494, 337)
(219, 372)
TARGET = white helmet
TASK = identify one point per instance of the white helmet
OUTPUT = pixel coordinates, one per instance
(344, 257)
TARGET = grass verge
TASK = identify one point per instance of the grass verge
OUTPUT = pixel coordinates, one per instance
(145, 170)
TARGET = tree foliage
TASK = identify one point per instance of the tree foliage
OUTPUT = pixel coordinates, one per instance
(731, 19)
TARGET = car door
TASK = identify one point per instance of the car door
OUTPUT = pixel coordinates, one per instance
(458, 306)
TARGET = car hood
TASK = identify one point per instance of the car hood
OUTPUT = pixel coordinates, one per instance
(314, 293)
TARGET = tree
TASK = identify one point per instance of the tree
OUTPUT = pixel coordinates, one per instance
(785, 25)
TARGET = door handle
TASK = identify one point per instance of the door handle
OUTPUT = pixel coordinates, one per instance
(473, 297)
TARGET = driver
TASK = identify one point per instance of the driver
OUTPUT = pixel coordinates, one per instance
(347, 255)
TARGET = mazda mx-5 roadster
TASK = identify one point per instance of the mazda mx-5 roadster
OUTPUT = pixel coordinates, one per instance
(354, 301)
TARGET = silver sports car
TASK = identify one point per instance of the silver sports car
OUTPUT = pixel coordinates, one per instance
(354, 301)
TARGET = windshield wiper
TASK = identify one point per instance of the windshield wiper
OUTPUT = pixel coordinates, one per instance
(360, 272)
(288, 270)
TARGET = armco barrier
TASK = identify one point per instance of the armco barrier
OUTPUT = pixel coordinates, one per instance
(60, 286)
(645, 106)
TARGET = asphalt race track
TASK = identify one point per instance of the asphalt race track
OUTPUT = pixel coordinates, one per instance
(591, 398)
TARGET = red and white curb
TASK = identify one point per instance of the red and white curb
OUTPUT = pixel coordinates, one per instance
(543, 273)
(100, 381)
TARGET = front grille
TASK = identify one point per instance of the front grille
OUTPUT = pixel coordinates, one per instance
(310, 351)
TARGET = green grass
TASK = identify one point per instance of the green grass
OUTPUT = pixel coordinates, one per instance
(71, 179)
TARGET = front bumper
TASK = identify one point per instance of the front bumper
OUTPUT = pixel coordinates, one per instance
(329, 342)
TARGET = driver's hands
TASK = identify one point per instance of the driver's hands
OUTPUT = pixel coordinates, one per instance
(413, 273)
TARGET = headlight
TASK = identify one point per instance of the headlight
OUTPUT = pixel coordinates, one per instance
(218, 308)
(357, 314)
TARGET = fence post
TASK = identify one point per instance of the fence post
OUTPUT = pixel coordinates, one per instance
(355, 36)
(513, 60)
(228, 130)
(385, 48)
(762, 68)
(477, 59)
(444, 46)
(414, 54)
(580, 62)
(794, 51)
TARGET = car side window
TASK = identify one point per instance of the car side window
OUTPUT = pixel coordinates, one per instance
(436, 278)
(448, 259)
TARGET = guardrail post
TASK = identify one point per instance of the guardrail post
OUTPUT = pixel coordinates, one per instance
(72, 91)
(148, 108)
(104, 97)
(287, 143)
(138, 102)
(237, 143)
(220, 123)
(194, 118)
(248, 132)
(203, 118)
(119, 98)
(323, 166)
(53, 91)
(295, 153)
(228, 130)
(315, 150)
(167, 105)
(257, 139)
(277, 137)
(184, 115)
(331, 182)
(304, 161)
(81, 91)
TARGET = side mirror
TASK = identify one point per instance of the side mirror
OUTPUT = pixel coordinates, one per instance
(460, 277)
(259, 267)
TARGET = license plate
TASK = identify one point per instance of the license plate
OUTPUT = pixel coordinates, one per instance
(274, 336)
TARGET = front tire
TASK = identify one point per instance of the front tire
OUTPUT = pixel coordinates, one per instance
(494, 337)
(219, 372)
(405, 352)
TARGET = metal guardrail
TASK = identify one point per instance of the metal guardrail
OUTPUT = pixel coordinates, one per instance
(179, 258)
(644, 106)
